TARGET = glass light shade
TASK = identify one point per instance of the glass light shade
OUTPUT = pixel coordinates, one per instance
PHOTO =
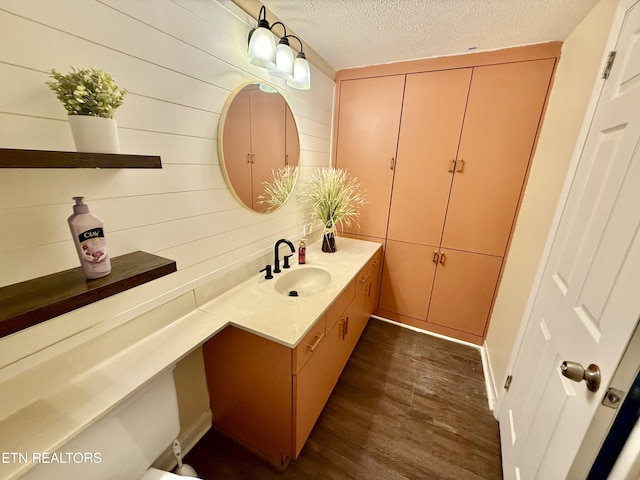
(301, 74)
(262, 48)
(267, 88)
(284, 62)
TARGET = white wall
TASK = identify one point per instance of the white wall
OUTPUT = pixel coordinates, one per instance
(179, 60)
(580, 65)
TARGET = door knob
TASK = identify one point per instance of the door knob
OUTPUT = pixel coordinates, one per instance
(576, 372)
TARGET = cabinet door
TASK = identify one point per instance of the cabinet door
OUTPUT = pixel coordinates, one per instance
(250, 389)
(236, 147)
(267, 141)
(356, 319)
(432, 114)
(367, 135)
(463, 291)
(407, 277)
(372, 288)
(503, 114)
(292, 144)
(314, 383)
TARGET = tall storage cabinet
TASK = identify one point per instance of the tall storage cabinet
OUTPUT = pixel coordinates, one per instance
(366, 144)
(465, 137)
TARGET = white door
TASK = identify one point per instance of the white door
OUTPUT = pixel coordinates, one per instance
(588, 301)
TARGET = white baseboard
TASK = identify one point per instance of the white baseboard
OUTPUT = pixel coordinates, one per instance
(489, 381)
(195, 432)
(188, 439)
(426, 332)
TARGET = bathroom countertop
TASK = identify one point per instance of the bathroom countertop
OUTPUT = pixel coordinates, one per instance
(45, 406)
(255, 306)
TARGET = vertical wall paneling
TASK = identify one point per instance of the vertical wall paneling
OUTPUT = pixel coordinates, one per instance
(179, 60)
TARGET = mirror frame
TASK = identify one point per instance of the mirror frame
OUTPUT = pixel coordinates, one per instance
(220, 142)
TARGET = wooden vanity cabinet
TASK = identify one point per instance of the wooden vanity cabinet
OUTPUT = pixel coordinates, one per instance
(267, 396)
(250, 384)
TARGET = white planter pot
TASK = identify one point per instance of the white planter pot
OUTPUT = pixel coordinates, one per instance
(94, 134)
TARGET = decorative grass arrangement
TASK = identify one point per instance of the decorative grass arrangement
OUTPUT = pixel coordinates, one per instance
(334, 198)
(91, 92)
(277, 192)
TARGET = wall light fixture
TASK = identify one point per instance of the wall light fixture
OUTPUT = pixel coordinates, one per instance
(279, 60)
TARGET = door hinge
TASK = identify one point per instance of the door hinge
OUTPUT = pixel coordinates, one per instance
(609, 64)
(613, 398)
(507, 383)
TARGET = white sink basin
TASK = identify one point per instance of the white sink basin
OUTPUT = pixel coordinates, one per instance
(302, 282)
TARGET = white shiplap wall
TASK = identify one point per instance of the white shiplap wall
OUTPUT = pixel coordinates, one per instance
(179, 60)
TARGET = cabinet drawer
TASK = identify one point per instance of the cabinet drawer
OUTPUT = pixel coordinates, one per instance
(308, 345)
(361, 278)
(314, 384)
(375, 262)
(342, 302)
(369, 271)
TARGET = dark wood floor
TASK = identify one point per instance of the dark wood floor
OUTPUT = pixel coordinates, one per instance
(407, 406)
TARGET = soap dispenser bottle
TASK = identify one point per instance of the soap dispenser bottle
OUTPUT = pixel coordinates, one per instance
(87, 231)
(302, 252)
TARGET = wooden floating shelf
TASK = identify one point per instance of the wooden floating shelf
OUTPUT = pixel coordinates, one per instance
(16, 158)
(28, 303)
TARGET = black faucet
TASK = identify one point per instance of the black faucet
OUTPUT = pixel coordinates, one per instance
(276, 261)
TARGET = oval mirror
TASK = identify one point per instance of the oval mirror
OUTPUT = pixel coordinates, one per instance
(258, 147)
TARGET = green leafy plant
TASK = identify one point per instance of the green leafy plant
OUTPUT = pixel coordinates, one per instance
(277, 192)
(87, 92)
(334, 197)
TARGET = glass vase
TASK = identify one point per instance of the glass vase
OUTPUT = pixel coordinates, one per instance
(329, 240)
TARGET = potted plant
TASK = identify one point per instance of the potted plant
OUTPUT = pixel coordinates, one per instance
(90, 97)
(334, 199)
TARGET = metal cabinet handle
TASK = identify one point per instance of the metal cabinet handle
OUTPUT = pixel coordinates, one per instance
(367, 290)
(392, 165)
(286, 159)
(248, 158)
(253, 158)
(452, 165)
(316, 343)
(460, 166)
(435, 257)
(574, 371)
(443, 259)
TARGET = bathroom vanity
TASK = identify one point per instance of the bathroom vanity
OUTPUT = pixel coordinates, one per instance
(272, 360)
(267, 390)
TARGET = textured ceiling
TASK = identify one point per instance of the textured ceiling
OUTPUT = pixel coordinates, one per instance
(354, 33)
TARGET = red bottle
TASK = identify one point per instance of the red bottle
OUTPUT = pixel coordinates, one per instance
(302, 252)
